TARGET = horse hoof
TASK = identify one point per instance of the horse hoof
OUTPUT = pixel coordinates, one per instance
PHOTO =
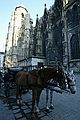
(51, 107)
(37, 111)
(18, 102)
(33, 117)
(47, 110)
(21, 102)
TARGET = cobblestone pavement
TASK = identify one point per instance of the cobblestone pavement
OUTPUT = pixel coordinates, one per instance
(66, 106)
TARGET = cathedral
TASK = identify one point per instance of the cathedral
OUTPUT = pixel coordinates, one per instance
(55, 37)
(57, 34)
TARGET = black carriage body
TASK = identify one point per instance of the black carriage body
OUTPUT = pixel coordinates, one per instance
(9, 80)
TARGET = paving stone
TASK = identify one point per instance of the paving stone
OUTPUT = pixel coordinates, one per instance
(24, 107)
(41, 114)
(16, 111)
(15, 107)
(45, 118)
(23, 118)
(27, 111)
(18, 115)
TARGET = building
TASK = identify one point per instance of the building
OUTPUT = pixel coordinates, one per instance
(55, 37)
(18, 37)
(71, 34)
(57, 34)
(48, 34)
(1, 60)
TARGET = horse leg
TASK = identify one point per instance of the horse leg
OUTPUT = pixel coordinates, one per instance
(18, 94)
(33, 102)
(36, 97)
(51, 99)
(33, 115)
(47, 99)
(38, 92)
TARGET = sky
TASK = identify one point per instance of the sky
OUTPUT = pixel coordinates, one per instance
(34, 7)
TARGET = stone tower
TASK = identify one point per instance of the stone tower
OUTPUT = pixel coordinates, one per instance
(17, 43)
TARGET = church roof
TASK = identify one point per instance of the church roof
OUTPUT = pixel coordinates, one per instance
(21, 6)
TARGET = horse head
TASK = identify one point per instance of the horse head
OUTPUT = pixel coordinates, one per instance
(60, 77)
(71, 81)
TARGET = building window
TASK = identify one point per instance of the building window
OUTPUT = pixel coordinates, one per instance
(75, 15)
(74, 47)
(22, 15)
(69, 17)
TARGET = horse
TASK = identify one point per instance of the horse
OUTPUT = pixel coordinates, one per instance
(70, 83)
(36, 80)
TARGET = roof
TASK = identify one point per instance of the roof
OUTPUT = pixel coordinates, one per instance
(21, 6)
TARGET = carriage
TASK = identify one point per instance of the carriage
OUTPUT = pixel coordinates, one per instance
(9, 79)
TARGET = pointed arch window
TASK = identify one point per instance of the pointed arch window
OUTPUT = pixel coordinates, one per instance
(69, 17)
(75, 18)
(22, 15)
(74, 47)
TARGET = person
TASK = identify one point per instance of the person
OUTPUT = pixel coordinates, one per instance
(6, 82)
(0, 78)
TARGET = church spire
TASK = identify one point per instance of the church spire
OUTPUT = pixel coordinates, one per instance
(37, 20)
(45, 12)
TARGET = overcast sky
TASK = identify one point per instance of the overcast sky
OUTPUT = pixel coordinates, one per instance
(7, 7)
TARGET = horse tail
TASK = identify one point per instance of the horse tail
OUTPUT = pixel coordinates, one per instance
(27, 79)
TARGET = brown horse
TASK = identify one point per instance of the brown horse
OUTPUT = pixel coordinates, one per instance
(28, 80)
(36, 80)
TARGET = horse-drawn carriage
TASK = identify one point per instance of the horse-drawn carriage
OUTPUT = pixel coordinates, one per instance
(53, 78)
(9, 79)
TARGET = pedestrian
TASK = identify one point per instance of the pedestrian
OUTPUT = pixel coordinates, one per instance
(6, 82)
(0, 78)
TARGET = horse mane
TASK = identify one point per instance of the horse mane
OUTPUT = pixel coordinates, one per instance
(34, 72)
(47, 73)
